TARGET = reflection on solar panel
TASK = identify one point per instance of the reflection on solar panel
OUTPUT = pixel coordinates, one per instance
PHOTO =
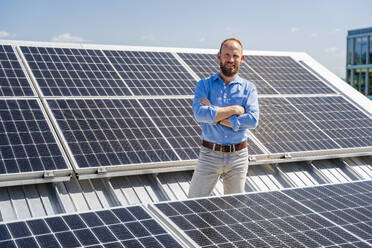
(128, 227)
(73, 72)
(205, 65)
(275, 219)
(286, 76)
(284, 129)
(347, 205)
(152, 73)
(175, 120)
(13, 81)
(103, 132)
(340, 120)
(26, 141)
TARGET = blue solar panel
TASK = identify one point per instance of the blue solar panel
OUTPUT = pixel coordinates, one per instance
(284, 128)
(105, 132)
(340, 120)
(286, 76)
(152, 73)
(285, 218)
(73, 72)
(132, 226)
(26, 140)
(13, 81)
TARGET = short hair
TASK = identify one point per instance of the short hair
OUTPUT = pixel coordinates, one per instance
(234, 39)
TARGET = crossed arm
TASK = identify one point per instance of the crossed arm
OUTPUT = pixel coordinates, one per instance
(224, 113)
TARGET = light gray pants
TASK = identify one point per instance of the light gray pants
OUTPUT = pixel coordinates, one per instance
(231, 166)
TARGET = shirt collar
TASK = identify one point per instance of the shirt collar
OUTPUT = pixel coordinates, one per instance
(237, 79)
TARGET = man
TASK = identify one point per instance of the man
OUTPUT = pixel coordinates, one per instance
(226, 105)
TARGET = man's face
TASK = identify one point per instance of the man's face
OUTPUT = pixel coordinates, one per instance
(230, 58)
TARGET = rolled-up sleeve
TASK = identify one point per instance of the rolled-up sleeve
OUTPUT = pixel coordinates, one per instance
(204, 114)
(248, 120)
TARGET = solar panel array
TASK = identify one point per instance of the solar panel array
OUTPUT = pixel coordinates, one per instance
(13, 81)
(148, 119)
(119, 227)
(338, 215)
(322, 216)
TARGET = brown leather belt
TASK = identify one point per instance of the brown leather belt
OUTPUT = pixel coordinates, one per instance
(224, 148)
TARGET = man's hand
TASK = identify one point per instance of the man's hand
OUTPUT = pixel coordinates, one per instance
(205, 102)
(239, 110)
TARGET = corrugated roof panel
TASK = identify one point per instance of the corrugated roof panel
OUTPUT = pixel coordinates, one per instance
(264, 178)
(334, 171)
(361, 165)
(136, 189)
(300, 174)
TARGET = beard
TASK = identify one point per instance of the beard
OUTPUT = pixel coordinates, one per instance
(229, 71)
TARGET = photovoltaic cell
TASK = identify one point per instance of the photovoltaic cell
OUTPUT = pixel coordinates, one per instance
(13, 81)
(26, 140)
(339, 119)
(283, 128)
(138, 230)
(277, 219)
(106, 132)
(73, 72)
(152, 73)
(206, 65)
(286, 76)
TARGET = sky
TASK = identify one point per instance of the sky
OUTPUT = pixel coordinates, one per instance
(317, 27)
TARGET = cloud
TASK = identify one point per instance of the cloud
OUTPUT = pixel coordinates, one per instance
(147, 37)
(5, 34)
(313, 35)
(335, 30)
(202, 39)
(294, 29)
(332, 50)
(67, 37)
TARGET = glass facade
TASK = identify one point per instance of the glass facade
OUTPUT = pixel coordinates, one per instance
(359, 60)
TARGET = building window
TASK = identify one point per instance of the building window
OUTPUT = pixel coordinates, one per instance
(360, 51)
(350, 51)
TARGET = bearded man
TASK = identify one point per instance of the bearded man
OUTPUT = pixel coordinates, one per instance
(226, 105)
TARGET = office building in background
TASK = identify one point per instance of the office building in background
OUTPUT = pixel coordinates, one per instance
(359, 60)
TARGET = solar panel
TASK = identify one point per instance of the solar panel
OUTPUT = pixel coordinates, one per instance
(152, 73)
(27, 143)
(272, 219)
(283, 128)
(175, 120)
(286, 76)
(73, 72)
(206, 65)
(340, 120)
(13, 81)
(105, 132)
(118, 227)
(347, 205)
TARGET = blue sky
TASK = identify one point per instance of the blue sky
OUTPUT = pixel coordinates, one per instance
(317, 27)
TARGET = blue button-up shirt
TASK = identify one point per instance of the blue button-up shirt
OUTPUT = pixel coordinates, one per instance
(238, 92)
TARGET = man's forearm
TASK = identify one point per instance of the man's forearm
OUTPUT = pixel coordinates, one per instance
(226, 112)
